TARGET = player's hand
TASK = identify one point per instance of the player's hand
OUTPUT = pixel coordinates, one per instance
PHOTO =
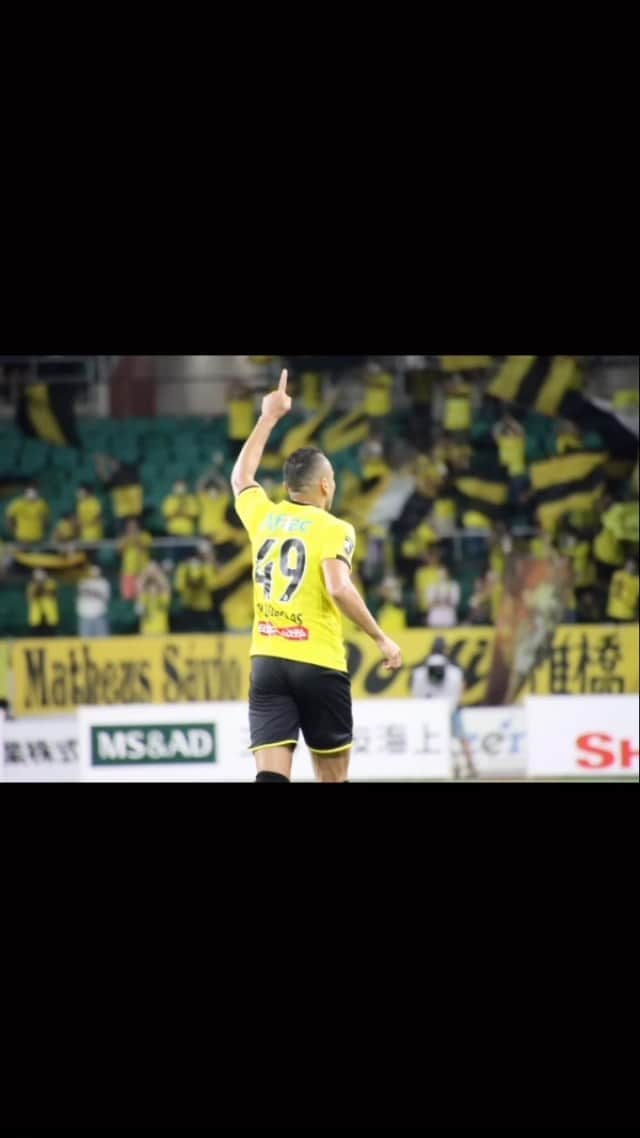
(277, 404)
(391, 653)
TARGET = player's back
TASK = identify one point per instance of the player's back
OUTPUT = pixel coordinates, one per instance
(294, 616)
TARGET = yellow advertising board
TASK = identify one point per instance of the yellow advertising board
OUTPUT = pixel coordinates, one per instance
(55, 676)
(4, 669)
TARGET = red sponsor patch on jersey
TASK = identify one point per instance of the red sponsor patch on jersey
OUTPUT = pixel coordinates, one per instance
(265, 628)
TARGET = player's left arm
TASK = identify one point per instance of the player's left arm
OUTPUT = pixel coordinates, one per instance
(274, 407)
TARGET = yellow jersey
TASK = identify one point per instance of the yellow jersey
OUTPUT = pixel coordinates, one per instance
(89, 516)
(512, 453)
(43, 603)
(457, 412)
(180, 513)
(128, 501)
(378, 399)
(311, 391)
(241, 418)
(213, 523)
(135, 553)
(65, 530)
(195, 584)
(30, 517)
(294, 616)
(154, 615)
(623, 596)
(584, 567)
(423, 579)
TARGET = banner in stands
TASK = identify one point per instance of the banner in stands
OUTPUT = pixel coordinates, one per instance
(529, 613)
(40, 750)
(597, 736)
(498, 740)
(52, 677)
(210, 743)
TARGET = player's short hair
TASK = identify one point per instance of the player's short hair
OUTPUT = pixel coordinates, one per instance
(303, 468)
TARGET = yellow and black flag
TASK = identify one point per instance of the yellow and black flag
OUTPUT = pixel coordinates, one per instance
(567, 483)
(538, 383)
(481, 499)
(551, 385)
(464, 363)
(45, 411)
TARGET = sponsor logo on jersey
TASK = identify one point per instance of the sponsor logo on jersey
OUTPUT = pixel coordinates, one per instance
(265, 628)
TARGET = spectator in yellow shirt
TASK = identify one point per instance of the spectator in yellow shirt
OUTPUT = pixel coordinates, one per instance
(429, 574)
(458, 411)
(378, 398)
(623, 593)
(311, 391)
(392, 614)
(608, 553)
(181, 511)
(134, 547)
(88, 514)
(240, 416)
(28, 516)
(372, 459)
(578, 550)
(213, 502)
(154, 601)
(217, 519)
(511, 442)
(123, 481)
(42, 597)
(195, 581)
(65, 531)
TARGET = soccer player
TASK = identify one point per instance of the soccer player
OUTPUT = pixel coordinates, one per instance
(302, 558)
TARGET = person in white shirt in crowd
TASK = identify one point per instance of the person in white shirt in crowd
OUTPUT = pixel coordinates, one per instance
(438, 678)
(443, 599)
(92, 604)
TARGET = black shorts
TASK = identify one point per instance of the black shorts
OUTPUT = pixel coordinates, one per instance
(287, 696)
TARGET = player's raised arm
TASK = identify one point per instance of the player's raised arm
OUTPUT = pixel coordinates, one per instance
(274, 407)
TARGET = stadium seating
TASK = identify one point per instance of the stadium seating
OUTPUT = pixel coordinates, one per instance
(168, 449)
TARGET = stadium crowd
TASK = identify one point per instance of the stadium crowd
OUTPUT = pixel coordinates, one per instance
(445, 471)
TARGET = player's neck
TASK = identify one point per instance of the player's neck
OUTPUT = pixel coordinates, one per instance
(305, 502)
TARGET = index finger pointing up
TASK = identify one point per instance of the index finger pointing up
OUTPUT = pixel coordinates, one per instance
(282, 386)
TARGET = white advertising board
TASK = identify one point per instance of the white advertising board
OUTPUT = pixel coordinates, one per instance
(583, 735)
(40, 750)
(498, 740)
(208, 742)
